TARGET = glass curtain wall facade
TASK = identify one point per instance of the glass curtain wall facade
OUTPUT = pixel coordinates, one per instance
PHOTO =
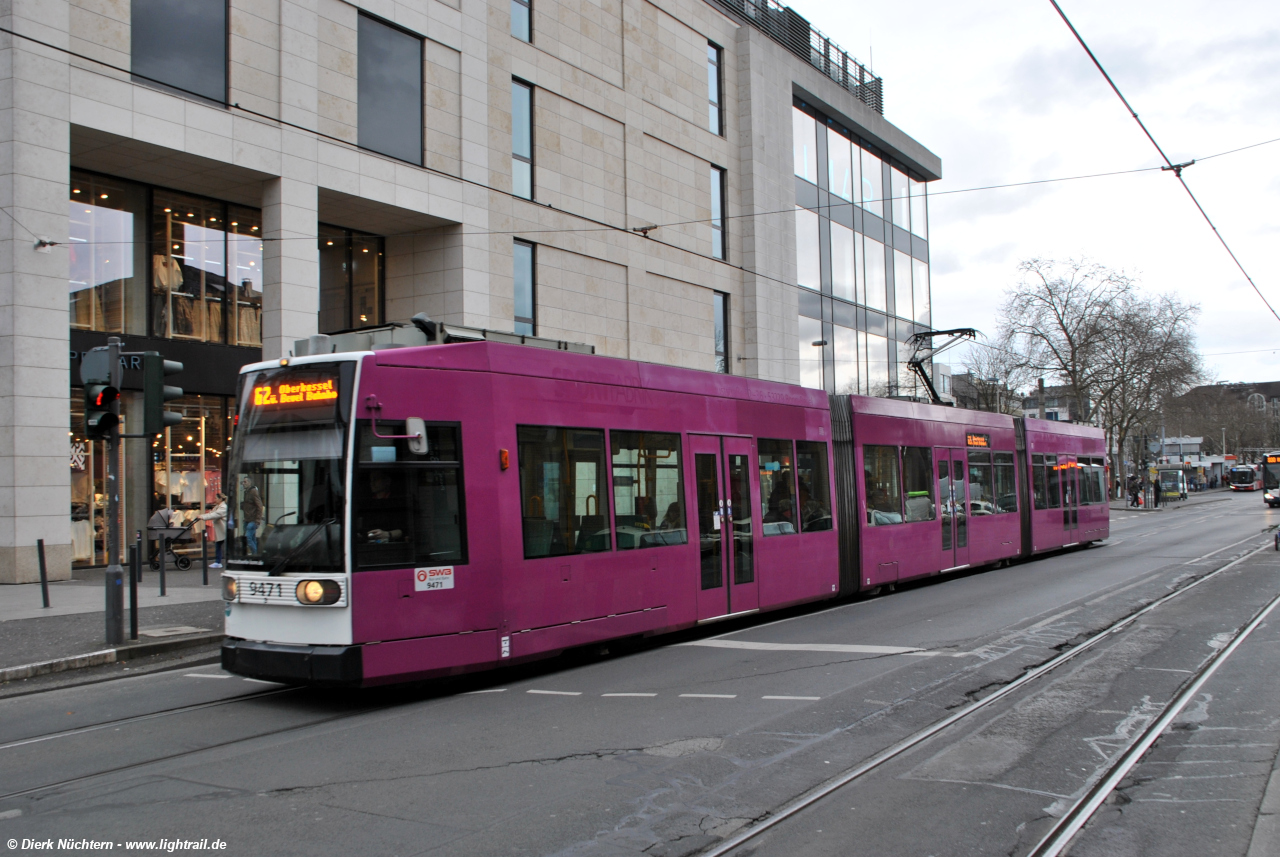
(862, 260)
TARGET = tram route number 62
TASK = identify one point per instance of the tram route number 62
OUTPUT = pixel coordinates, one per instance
(425, 579)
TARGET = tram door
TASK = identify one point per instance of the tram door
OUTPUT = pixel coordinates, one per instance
(727, 578)
(953, 506)
(1069, 473)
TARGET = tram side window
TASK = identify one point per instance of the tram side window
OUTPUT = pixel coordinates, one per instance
(917, 482)
(981, 484)
(1092, 481)
(648, 492)
(884, 494)
(815, 495)
(562, 496)
(1044, 475)
(408, 509)
(1006, 483)
(777, 488)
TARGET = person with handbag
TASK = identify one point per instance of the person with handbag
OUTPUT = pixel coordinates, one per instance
(218, 516)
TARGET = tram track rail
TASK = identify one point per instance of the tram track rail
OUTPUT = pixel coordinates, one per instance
(152, 715)
(1078, 814)
(271, 733)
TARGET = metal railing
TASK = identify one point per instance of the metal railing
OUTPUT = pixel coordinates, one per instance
(785, 26)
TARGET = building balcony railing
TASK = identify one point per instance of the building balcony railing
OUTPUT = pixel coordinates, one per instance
(785, 26)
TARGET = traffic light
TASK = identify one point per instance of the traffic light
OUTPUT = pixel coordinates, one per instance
(155, 392)
(99, 415)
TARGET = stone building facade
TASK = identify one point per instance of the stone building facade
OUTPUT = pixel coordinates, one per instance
(215, 182)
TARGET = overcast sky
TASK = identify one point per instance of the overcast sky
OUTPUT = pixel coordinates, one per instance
(1002, 93)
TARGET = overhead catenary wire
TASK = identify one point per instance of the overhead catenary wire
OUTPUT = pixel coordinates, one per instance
(601, 226)
(1170, 166)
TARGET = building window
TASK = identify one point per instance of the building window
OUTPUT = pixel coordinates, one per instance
(715, 88)
(389, 98)
(808, 253)
(351, 279)
(847, 359)
(804, 145)
(919, 209)
(180, 44)
(810, 349)
(718, 244)
(841, 165)
(206, 270)
(526, 322)
(521, 139)
(107, 251)
(872, 184)
(920, 288)
(875, 283)
(901, 202)
(720, 309)
(522, 20)
(902, 285)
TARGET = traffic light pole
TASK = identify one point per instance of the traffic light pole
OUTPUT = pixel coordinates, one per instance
(114, 580)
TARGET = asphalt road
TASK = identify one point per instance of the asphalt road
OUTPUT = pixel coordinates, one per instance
(671, 749)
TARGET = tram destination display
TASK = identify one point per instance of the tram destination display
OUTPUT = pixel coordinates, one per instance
(303, 395)
(978, 441)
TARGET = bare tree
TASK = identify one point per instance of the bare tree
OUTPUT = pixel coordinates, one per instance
(1147, 359)
(1061, 316)
(998, 375)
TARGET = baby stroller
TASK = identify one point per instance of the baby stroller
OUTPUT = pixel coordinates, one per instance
(161, 528)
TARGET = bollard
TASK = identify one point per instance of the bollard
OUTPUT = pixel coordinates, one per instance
(163, 544)
(204, 556)
(135, 557)
(137, 537)
(44, 573)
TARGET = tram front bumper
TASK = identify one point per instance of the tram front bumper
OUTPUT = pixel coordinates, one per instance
(318, 665)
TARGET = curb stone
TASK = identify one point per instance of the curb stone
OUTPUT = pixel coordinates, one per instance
(106, 656)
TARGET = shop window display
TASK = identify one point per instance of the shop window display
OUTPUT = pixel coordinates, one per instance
(193, 297)
(106, 254)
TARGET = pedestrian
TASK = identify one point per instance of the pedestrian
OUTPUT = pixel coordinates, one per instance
(250, 513)
(1135, 489)
(1155, 493)
(218, 516)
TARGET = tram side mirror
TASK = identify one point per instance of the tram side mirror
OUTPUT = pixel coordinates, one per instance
(416, 428)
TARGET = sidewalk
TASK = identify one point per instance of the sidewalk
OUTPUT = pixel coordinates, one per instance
(1194, 499)
(74, 622)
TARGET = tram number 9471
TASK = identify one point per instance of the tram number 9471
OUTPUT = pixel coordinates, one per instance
(426, 579)
(264, 589)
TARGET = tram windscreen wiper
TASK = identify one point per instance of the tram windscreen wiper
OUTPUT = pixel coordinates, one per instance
(323, 527)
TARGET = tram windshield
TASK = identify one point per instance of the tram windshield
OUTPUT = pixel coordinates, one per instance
(286, 480)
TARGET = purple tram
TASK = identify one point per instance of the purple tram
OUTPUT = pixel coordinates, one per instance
(415, 512)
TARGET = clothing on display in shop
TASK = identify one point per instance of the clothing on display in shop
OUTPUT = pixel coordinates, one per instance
(81, 540)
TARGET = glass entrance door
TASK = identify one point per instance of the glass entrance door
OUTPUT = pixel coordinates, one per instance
(953, 506)
(726, 538)
(1068, 472)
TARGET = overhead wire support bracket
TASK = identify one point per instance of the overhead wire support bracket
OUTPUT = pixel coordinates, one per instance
(1178, 168)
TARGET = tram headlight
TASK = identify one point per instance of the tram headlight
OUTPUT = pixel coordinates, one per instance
(229, 589)
(318, 591)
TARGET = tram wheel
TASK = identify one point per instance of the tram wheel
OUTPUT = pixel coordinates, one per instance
(184, 563)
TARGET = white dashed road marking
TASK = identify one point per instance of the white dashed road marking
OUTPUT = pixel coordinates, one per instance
(803, 647)
(556, 692)
(709, 696)
(805, 698)
(204, 675)
(628, 694)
